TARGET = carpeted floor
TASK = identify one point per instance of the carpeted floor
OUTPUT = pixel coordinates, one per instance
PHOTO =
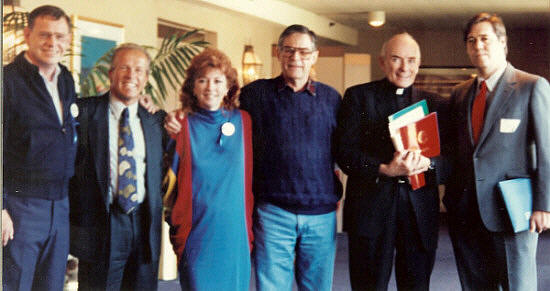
(444, 276)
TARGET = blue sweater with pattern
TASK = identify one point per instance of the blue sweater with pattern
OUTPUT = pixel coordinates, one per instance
(293, 145)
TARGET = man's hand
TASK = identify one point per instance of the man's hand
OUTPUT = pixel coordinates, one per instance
(7, 227)
(147, 102)
(172, 122)
(540, 221)
(405, 163)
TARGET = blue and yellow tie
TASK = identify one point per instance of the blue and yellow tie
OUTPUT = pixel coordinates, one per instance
(127, 179)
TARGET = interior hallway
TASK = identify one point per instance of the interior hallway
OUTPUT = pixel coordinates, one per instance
(444, 276)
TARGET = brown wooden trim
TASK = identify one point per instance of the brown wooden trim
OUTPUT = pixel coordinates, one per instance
(331, 51)
(85, 18)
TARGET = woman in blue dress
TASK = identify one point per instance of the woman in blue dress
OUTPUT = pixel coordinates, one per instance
(211, 217)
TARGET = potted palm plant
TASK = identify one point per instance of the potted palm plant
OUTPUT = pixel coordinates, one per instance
(168, 66)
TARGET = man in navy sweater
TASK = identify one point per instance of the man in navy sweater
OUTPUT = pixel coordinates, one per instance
(295, 188)
(39, 151)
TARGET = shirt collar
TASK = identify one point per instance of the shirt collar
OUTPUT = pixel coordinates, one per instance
(117, 107)
(55, 73)
(491, 82)
(310, 85)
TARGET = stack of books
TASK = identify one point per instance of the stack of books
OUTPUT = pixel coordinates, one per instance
(415, 129)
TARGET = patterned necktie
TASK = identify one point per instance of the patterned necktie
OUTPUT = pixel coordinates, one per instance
(478, 111)
(127, 179)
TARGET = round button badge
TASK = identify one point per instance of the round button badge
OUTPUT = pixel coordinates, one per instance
(228, 129)
(74, 110)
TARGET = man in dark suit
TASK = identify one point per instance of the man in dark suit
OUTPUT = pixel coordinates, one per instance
(39, 145)
(115, 196)
(381, 212)
(495, 119)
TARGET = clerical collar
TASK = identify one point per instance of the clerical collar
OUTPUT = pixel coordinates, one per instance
(397, 90)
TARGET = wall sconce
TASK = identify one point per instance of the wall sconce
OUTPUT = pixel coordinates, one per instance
(13, 22)
(376, 18)
(251, 65)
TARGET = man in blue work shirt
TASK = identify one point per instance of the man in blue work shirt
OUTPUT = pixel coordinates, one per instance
(39, 151)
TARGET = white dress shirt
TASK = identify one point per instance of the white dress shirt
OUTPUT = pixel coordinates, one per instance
(115, 111)
(491, 82)
(51, 86)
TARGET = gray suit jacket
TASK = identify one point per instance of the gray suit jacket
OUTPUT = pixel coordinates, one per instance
(517, 118)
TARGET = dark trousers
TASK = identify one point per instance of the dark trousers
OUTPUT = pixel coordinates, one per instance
(128, 265)
(492, 260)
(371, 258)
(36, 258)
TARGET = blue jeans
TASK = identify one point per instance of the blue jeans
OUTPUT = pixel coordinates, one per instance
(284, 240)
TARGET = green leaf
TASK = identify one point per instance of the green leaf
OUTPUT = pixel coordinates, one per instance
(167, 68)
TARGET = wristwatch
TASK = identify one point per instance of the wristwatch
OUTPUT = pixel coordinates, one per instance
(432, 164)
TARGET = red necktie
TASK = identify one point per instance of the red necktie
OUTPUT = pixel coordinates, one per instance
(478, 111)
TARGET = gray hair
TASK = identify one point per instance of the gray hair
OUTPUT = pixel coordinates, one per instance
(297, 28)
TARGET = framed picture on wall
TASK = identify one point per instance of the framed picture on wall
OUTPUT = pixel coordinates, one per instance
(441, 80)
(92, 38)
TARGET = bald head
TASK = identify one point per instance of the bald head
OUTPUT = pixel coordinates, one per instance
(400, 59)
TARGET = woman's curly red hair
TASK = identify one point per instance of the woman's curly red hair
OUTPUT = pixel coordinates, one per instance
(210, 58)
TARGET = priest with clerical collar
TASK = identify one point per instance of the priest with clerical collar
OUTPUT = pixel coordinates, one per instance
(383, 215)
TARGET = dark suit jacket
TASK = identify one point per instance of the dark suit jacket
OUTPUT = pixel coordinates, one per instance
(499, 155)
(363, 142)
(89, 202)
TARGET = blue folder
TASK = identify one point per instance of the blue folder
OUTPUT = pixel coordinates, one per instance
(518, 199)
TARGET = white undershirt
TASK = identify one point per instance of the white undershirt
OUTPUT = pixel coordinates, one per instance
(51, 86)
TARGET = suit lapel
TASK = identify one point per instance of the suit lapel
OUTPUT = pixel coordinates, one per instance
(65, 95)
(147, 125)
(501, 100)
(466, 98)
(99, 145)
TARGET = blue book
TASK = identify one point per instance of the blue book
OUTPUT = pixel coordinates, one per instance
(518, 199)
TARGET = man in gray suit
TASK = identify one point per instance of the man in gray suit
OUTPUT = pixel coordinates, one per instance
(493, 121)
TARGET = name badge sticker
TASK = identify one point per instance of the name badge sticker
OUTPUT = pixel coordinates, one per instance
(508, 125)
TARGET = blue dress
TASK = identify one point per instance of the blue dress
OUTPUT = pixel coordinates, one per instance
(216, 253)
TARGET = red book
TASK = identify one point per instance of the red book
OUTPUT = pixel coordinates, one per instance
(423, 136)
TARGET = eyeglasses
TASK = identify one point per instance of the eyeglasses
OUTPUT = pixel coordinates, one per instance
(303, 53)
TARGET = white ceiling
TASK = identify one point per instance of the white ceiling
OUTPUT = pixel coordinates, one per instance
(409, 14)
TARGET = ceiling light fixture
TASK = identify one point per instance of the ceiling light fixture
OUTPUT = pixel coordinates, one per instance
(376, 18)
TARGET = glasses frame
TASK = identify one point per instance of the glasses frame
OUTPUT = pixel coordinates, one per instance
(303, 53)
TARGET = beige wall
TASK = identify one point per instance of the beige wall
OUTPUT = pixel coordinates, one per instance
(529, 49)
(233, 30)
